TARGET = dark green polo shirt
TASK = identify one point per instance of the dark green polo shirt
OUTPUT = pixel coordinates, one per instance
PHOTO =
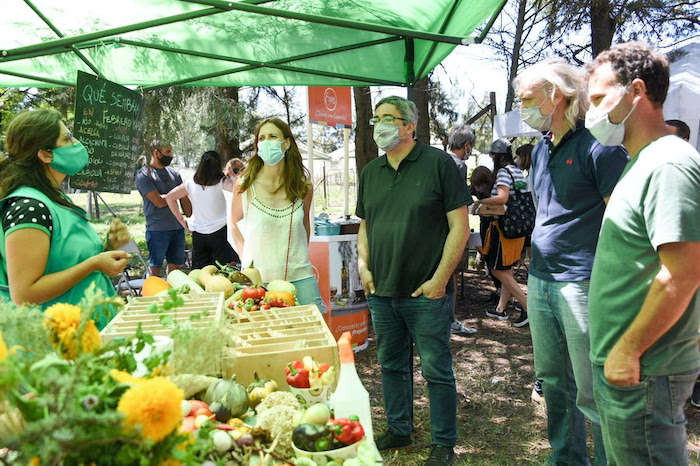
(405, 214)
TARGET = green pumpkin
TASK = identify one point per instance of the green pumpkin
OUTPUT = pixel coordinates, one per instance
(229, 393)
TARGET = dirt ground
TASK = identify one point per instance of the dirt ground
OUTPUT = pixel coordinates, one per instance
(497, 422)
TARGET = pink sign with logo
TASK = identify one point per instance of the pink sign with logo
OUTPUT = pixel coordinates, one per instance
(331, 106)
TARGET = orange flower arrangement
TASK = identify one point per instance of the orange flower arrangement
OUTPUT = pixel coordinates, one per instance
(63, 321)
(154, 405)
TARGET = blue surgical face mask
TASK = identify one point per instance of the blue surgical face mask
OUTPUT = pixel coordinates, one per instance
(270, 152)
(69, 160)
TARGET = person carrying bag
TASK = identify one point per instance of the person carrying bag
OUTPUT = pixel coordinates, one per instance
(519, 218)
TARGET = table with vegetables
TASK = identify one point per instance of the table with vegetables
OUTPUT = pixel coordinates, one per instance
(283, 417)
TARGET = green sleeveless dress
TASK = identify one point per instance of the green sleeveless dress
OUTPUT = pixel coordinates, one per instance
(73, 240)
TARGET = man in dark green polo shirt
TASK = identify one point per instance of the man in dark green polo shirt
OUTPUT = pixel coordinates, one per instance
(413, 204)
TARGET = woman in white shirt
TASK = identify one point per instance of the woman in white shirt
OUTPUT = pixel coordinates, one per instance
(208, 220)
(270, 212)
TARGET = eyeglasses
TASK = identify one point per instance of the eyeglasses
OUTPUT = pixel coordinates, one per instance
(70, 138)
(388, 119)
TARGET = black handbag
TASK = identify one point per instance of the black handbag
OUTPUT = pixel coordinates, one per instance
(519, 219)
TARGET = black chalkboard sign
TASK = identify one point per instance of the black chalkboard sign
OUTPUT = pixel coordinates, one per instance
(108, 122)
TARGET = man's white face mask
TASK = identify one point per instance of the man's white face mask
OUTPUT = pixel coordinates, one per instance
(535, 119)
(607, 133)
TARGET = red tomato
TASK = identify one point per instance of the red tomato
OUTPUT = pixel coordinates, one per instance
(255, 293)
(196, 405)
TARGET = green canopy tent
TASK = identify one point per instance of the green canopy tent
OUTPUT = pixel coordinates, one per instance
(157, 43)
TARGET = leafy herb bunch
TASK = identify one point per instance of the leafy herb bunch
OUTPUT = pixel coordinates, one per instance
(66, 399)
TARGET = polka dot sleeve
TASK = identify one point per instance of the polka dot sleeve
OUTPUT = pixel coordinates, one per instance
(20, 212)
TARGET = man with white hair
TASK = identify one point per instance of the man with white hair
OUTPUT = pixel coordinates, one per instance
(571, 178)
(645, 306)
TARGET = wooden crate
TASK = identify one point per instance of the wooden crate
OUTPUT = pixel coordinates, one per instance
(266, 341)
(136, 312)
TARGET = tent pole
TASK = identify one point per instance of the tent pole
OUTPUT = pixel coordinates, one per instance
(310, 156)
(486, 29)
(61, 35)
(346, 172)
(329, 21)
(410, 76)
(275, 64)
(429, 55)
(73, 40)
(37, 78)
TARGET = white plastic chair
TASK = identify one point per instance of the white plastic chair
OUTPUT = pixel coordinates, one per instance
(127, 284)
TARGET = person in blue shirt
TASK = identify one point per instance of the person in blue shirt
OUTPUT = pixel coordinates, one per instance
(165, 236)
(571, 178)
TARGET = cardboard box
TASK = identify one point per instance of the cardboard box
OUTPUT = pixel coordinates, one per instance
(266, 341)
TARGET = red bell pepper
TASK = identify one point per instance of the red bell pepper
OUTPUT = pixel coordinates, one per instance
(298, 378)
(347, 431)
(293, 365)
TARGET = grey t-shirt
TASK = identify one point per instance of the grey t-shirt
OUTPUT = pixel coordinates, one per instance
(162, 180)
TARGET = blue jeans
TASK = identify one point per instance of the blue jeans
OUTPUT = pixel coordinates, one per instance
(426, 322)
(309, 293)
(165, 244)
(558, 313)
(644, 424)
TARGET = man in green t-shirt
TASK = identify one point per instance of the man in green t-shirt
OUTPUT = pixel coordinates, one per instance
(644, 304)
(413, 205)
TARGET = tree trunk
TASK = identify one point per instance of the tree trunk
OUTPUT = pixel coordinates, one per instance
(422, 100)
(227, 132)
(365, 147)
(515, 58)
(602, 26)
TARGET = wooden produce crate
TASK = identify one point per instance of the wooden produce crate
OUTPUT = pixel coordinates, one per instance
(266, 341)
(136, 312)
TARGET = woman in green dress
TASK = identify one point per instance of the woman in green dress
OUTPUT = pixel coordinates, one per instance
(50, 252)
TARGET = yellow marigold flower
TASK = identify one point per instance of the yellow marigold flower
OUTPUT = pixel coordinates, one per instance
(154, 405)
(63, 321)
(124, 377)
(3, 348)
(36, 461)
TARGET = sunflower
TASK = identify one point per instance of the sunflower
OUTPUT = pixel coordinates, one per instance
(63, 321)
(154, 405)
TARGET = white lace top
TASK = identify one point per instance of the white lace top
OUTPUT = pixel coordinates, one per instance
(266, 231)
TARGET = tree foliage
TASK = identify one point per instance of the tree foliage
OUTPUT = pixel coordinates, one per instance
(15, 100)
(528, 31)
(595, 24)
